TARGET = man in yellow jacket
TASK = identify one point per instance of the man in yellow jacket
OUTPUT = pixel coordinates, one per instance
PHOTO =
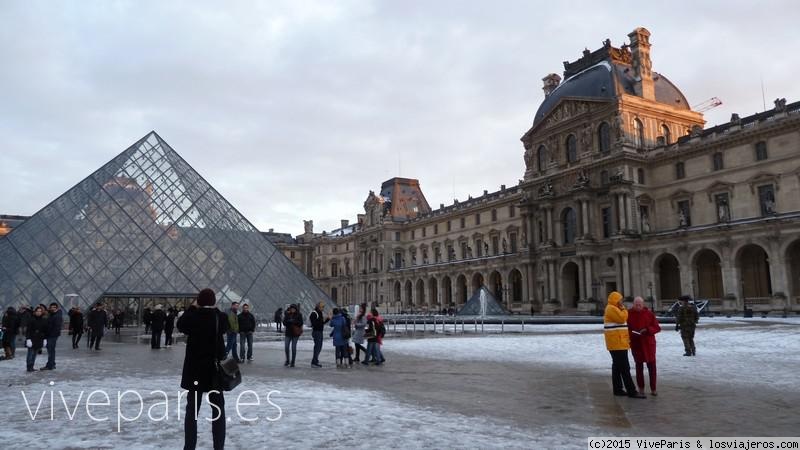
(615, 329)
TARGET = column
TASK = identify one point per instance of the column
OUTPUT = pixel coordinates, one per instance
(549, 216)
(585, 217)
(581, 285)
(628, 215)
(551, 280)
(626, 274)
(587, 275)
(620, 213)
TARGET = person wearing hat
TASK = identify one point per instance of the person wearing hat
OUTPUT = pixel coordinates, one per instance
(615, 331)
(157, 327)
(318, 322)
(686, 319)
(204, 326)
(97, 321)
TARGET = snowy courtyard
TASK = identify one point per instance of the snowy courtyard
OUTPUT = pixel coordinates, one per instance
(546, 388)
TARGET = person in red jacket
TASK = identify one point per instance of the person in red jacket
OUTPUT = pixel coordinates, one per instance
(643, 326)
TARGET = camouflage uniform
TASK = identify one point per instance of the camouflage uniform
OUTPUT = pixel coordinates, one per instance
(686, 321)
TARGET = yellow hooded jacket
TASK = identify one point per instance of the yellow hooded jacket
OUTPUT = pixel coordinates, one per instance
(615, 324)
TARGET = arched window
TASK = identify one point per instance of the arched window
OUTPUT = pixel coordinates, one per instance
(667, 135)
(541, 158)
(572, 149)
(638, 133)
(604, 135)
(568, 223)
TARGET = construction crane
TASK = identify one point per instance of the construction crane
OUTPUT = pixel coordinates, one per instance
(711, 103)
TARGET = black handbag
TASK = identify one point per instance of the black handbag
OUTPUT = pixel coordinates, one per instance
(226, 373)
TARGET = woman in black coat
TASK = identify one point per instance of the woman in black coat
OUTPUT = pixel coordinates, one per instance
(35, 336)
(293, 324)
(204, 325)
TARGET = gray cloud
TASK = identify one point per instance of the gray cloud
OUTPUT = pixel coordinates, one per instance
(295, 110)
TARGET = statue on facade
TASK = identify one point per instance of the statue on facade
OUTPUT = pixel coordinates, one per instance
(723, 212)
(505, 246)
(583, 178)
(780, 104)
(645, 223)
(547, 188)
(682, 220)
(469, 252)
(485, 249)
(308, 226)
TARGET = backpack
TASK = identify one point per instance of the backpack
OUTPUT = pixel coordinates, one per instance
(346, 333)
(380, 329)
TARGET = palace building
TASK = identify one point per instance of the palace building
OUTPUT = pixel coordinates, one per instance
(623, 189)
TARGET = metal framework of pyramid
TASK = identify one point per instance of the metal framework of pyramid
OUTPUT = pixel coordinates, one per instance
(143, 225)
(482, 303)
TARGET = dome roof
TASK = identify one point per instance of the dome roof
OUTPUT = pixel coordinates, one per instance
(606, 80)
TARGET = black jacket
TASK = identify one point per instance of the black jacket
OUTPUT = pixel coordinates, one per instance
(11, 323)
(157, 320)
(37, 331)
(317, 320)
(169, 321)
(290, 319)
(247, 322)
(76, 321)
(55, 321)
(203, 346)
(97, 320)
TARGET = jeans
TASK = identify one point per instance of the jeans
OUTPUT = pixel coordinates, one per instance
(621, 372)
(317, 335)
(246, 338)
(155, 338)
(230, 347)
(31, 359)
(193, 401)
(51, 352)
(342, 352)
(76, 338)
(293, 340)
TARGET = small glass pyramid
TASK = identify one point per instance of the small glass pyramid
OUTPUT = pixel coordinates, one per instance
(146, 224)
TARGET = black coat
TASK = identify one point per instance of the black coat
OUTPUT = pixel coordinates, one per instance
(97, 321)
(247, 322)
(55, 322)
(76, 321)
(290, 319)
(169, 322)
(11, 323)
(37, 331)
(157, 320)
(317, 320)
(203, 347)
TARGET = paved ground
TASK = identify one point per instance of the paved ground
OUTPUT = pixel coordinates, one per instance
(525, 395)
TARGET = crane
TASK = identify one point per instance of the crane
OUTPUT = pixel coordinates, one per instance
(711, 103)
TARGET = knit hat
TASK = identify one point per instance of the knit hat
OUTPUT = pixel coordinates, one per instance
(614, 298)
(206, 297)
(684, 298)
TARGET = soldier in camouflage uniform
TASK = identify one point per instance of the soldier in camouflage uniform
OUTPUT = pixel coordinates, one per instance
(686, 321)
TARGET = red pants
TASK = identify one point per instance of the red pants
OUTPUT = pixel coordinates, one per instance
(651, 371)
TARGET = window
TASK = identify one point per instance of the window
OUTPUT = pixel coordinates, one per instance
(412, 234)
(424, 230)
(494, 215)
(451, 253)
(604, 137)
(723, 207)
(495, 245)
(716, 161)
(513, 238)
(292, 254)
(541, 158)
(541, 232)
(606, 215)
(479, 245)
(334, 270)
(766, 198)
(449, 226)
(568, 224)
(640, 176)
(478, 219)
(463, 250)
(603, 177)
(680, 171)
(761, 151)
(437, 255)
(638, 133)
(463, 222)
(512, 211)
(666, 133)
(436, 228)
(572, 149)
(398, 260)
(684, 214)
(347, 246)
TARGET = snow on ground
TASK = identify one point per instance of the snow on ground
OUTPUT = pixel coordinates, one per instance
(301, 414)
(744, 355)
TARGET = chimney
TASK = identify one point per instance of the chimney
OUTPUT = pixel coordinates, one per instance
(642, 73)
(271, 230)
(550, 83)
(345, 223)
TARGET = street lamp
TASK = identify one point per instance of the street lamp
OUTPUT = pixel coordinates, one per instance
(652, 299)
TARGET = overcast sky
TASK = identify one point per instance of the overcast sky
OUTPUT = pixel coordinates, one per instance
(295, 110)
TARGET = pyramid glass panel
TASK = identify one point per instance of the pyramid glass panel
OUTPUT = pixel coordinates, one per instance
(146, 224)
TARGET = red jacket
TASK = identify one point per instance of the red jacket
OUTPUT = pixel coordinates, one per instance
(643, 346)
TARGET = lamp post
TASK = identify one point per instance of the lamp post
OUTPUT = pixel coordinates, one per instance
(652, 299)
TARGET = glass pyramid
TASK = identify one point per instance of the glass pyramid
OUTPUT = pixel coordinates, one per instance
(482, 303)
(146, 225)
